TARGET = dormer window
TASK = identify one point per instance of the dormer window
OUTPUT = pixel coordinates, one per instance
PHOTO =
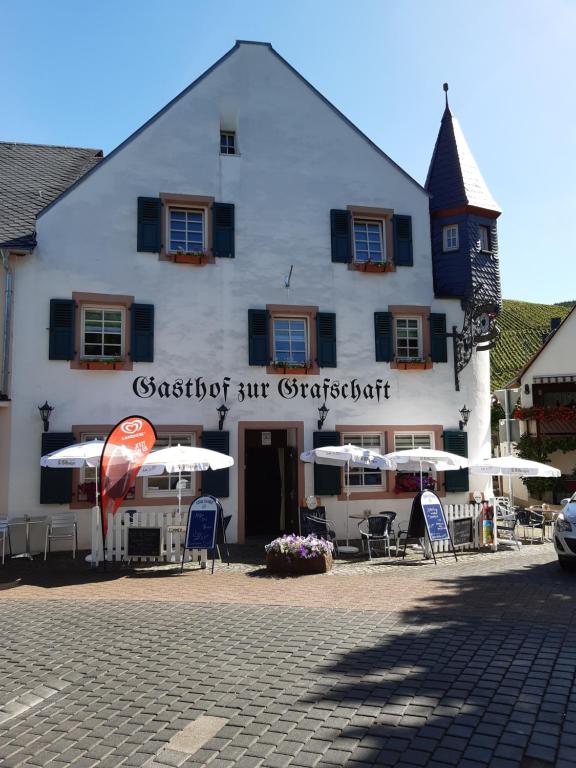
(484, 237)
(227, 143)
(450, 240)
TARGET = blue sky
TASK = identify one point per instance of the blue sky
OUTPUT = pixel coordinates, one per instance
(88, 74)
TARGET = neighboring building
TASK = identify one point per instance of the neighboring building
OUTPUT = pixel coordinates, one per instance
(31, 176)
(548, 401)
(249, 246)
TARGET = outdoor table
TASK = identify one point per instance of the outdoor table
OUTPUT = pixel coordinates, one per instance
(27, 521)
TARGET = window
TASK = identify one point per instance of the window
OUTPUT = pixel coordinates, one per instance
(167, 483)
(484, 238)
(408, 338)
(186, 230)
(359, 477)
(368, 241)
(404, 441)
(87, 475)
(450, 238)
(290, 340)
(102, 333)
(409, 482)
(227, 143)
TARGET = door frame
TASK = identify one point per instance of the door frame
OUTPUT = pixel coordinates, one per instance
(243, 427)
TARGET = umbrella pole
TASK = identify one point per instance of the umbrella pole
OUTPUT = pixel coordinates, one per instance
(179, 490)
(347, 550)
(420, 475)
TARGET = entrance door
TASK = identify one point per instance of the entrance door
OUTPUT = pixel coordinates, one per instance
(270, 482)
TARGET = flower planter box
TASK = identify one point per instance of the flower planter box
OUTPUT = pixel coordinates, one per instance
(370, 267)
(102, 365)
(414, 366)
(288, 369)
(191, 258)
(299, 566)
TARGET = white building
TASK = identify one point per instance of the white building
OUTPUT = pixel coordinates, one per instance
(249, 246)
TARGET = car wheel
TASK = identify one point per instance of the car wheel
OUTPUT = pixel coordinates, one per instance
(567, 563)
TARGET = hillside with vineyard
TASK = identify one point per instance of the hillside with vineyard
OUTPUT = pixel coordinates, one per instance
(523, 326)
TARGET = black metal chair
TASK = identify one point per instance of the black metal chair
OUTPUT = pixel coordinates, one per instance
(506, 524)
(322, 528)
(394, 535)
(376, 530)
(528, 518)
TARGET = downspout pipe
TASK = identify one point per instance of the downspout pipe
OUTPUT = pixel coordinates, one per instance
(8, 294)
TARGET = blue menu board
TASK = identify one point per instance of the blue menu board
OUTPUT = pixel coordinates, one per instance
(434, 516)
(202, 521)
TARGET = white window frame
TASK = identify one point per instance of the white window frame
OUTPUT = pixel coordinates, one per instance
(349, 437)
(403, 358)
(406, 433)
(173, 208)
(290, 318)
(102, 308)
(450, 243)
(228, 133)
(484, 238)
(152, 493)
(382, 228)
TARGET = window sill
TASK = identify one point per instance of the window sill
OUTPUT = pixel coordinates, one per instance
(311, 370)
(198, 259)
(373, 267)
(102, 365)
(411, 366)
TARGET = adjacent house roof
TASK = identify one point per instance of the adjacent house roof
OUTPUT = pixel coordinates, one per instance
(523, 326)
(454, 179)
(31, 176)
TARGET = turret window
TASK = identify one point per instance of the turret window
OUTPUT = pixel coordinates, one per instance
(450, 240)
(484, 237)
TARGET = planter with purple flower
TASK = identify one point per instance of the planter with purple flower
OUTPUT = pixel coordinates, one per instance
(299, 555)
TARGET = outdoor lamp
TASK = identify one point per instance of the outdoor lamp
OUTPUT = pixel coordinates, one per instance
(322, 412)
(465, 413)
(222, 411)
(45, 411)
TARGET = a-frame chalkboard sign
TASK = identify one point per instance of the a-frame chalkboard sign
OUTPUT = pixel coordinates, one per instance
(205, 515)
(427, 519)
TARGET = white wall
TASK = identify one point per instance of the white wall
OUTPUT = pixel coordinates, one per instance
(298, 160)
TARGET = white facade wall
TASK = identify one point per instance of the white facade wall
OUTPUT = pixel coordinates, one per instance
(298, 159)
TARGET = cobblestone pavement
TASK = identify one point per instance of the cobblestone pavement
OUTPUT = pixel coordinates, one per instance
(467, 664)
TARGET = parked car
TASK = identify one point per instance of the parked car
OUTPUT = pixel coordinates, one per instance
(565, 533)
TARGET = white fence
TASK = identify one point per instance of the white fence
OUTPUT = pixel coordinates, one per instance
(457, 512)
(172, 535)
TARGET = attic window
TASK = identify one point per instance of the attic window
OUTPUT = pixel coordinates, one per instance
(227, 143)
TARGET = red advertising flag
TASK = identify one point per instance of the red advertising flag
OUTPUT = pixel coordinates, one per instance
(124, 452)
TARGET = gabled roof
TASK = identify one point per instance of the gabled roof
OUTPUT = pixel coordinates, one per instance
(199, 79)
(31, 176)
(544, 345)
(454, 180)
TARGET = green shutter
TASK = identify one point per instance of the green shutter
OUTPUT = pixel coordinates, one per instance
(62, 323)
(258, 337)
(438, 340)
(341, 234)
(402, 226)
(456, 441)
(327, 480)
(326, 339)
(223, 230)
(216, 482)
(149, 214)
(383, 336)
(142, 333)
(55, 484)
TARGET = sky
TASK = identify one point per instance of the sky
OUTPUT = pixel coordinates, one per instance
(89, 74)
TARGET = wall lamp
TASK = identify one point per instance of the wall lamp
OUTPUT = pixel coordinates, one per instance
(222, 412)
(45, 411)
(322, 412)
(465, 413)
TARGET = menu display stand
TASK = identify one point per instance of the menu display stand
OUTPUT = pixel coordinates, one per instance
(427, 520)
(204, 514)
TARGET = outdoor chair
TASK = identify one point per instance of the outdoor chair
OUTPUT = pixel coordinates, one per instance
(62, 525)
(323, 529)
(527, 518)
(376, 530)
(506, 524)
(394, 535)
(5, 537)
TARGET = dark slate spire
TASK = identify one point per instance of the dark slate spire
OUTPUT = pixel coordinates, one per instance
(454, 180)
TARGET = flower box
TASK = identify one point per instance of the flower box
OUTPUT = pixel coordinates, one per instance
(411, 365)
(374, 266)
(299, 555)
(102, 365)
(291, 367)
(191, 258)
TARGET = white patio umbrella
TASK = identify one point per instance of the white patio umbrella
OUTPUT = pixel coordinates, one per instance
(414, 459)
(346, 456)
(75, 456)
(513, 466)
(183, 458)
